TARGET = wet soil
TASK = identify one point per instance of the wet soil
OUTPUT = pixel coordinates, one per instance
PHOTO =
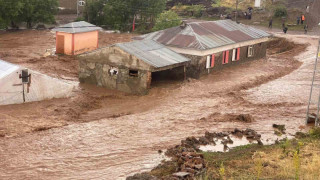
(27, 48)
(120, 134)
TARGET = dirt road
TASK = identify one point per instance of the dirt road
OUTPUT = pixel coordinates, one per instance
(120, 134)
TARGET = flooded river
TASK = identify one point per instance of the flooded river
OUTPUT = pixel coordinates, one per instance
(113, 148)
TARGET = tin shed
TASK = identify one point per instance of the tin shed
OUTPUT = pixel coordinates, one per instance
(131, 67)
(76, 38)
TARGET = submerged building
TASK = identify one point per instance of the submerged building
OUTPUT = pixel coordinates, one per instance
(213, 44)
(14, 90)
(130, 67)
(76, 38)
(190, 50)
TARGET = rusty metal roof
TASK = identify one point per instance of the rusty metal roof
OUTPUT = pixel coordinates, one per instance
(153, 53)
(205, 35)
(77, 27)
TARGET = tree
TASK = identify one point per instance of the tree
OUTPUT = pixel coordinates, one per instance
(196, 10)
(35, 11)
(119, 14)
(10, 11)
(30, 11)
(94, 11)
(166, 20)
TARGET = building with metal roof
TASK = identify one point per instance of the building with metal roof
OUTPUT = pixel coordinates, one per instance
(153, 53)
(77, 27)
(131, 67)
(39, 86)
(190, 50)
(201, 37)
(76, 38)
(212, 44)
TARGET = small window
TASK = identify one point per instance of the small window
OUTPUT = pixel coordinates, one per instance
(250, 51)
(210, 61)
(133, 73)
(225, 57)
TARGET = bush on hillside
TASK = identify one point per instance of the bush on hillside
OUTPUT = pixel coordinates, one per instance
(280, 11)
(166, 20)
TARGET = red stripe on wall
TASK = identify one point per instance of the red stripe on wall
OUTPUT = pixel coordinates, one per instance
(238, 54)
(212, 60)
(227, 57)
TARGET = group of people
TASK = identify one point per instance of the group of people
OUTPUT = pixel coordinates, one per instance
(300, 19)
(248, 14)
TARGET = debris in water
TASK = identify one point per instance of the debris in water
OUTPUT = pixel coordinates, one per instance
(245, 118)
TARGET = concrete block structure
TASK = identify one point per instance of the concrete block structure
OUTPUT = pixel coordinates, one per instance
(40, 86)
(131, 67)
(76, 38)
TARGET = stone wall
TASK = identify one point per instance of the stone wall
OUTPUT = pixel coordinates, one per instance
(110, 67)
(197, 66)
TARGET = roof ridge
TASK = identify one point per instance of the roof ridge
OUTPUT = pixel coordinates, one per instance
(195, 34)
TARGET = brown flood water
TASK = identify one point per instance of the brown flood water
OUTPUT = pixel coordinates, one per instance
(113, 148)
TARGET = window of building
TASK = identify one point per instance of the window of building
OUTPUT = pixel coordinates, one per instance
(225, 57)
(133, 73)
(210, 61)
(250, 51)
(236, 54)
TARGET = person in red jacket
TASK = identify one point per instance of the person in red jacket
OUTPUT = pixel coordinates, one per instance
(303, 18)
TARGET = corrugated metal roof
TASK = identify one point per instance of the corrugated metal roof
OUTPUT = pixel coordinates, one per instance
(77, 27)
(206, 35)
(7, 68)
(152, 53)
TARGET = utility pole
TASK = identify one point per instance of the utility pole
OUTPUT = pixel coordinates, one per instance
(236, 15)
(77, 8)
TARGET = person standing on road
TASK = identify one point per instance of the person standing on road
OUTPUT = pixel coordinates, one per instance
(285, 29)
(306, 29)
(298, 20)
(270, 23)
(302, 19)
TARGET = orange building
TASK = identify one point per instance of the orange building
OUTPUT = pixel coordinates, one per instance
(76, 38)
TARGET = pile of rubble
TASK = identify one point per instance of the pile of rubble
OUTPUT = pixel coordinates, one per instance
(188, 158)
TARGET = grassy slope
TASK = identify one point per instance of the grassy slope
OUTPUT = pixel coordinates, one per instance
(286, 160)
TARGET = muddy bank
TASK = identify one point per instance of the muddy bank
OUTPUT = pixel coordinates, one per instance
(187, 161)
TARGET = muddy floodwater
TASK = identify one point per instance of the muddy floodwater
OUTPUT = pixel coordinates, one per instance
(273, 90)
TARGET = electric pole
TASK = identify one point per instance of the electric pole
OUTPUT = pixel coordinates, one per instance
(236, 15)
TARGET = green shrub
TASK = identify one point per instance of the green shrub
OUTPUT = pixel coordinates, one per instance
(315, 133)
(280, 11)
(166, 20)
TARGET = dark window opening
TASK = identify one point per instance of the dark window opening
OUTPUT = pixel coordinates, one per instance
(133, 73)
